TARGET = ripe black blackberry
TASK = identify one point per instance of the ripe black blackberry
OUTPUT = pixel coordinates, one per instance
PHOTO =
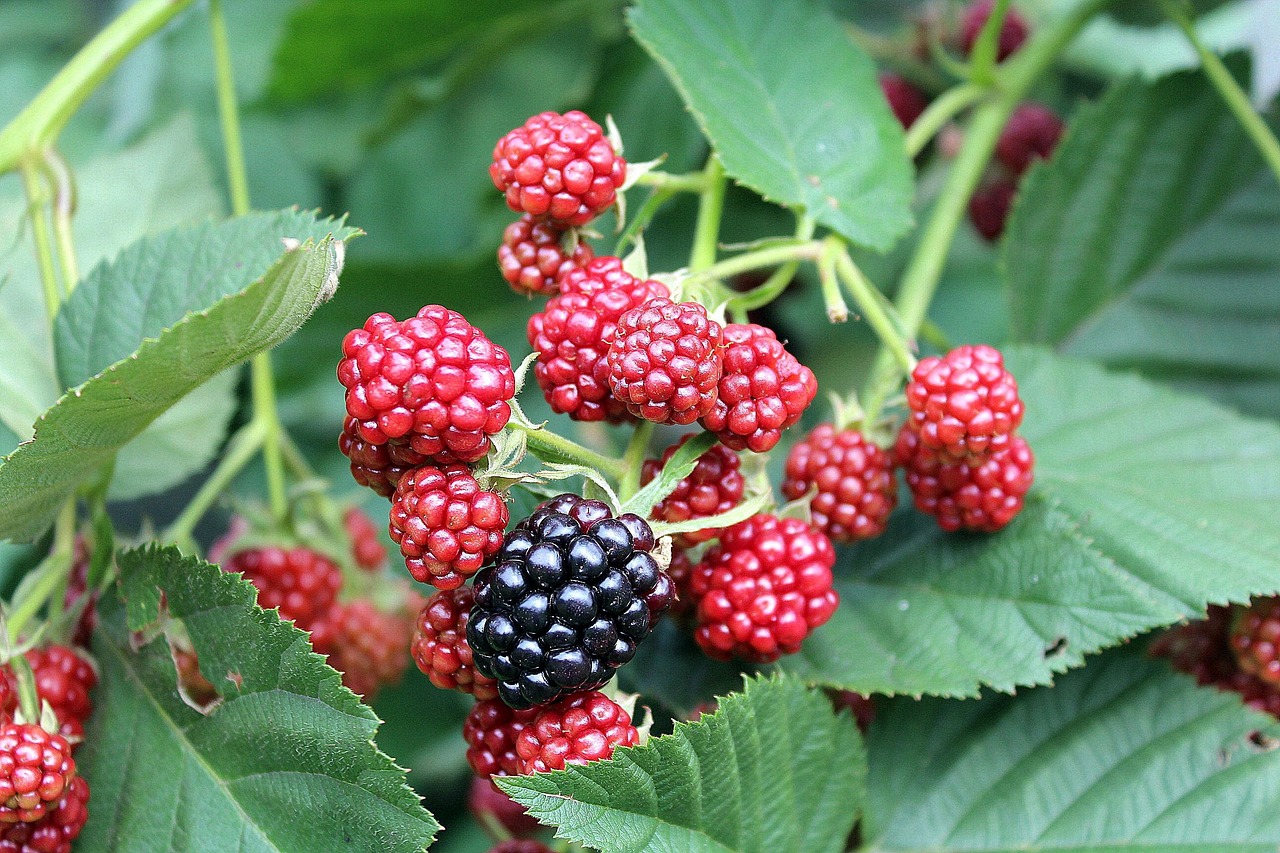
(568, 598)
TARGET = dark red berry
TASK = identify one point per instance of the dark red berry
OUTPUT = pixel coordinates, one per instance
(516, 845)
(486, 801)
(763, 389)
(366, 547)
(78, 589)
(665, 361)
(575, 730)
(377, 466)
(983, 498)
(989, 207)
(573, 333)
(445, 524)
(566, 601)
(1201, 647)
(906, 101)
(64, 679)
(440, 644)
(852, 480)
(1031, 134)
(433, 381)
(714, 486)
(1255, 639)
(561, 167)
(1013, 32)
(491, 731)
(532, 256)
(681, 573)
(35, 769)
(862, 707)
(302, 583)
(368, 646)
(964, 405)
(763, 588)
(54, 832)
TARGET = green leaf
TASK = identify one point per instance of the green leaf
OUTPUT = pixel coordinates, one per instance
(825, 142)
(1149, 241)
(1147, 505)
(774, 769)
(90, 423)
(285, 762)
(1122, 757)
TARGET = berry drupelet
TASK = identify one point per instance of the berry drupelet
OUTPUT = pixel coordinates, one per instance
(302, 583)
(445, 524)
(54, 832)
(376, 466)
(763, 588)
(962, 496)
(434, 382)
(1031, 134)
(560, 167)
(569, 596)
(440, 644)
(532, 256)
(575, 730)
(491, 730)
(366, 548)
(573, 333)
(907, 102)
(964, 405)
(1255, 639)
(715, 485)
(35, 769)
(853, 479)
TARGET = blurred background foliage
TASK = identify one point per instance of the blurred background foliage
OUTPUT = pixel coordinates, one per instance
(387, 110)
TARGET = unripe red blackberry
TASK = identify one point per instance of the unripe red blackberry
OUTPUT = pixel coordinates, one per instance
(302, 583)
(445, 524)
(907, 102)
(566, 602)
(440, 644)
(54, 832)
(665, 361)
(491, 730)
(77, 589)
(575, 730)
(35, 769)
(862, 707)
(433, 381)
(368, 646)
(853, 477)
(763, 389)
(763, 588)
(964, 405)
(532, 256)
(366, 547)
(714, 486)
(1255, 639)
(1013, 32)
(377, 466)
(558, 166)
(989, 207)
(573, 333)
(64, 679)
(486, 801)
(1031, 134)
(983, 498)
(681, 573)
(1201, 648)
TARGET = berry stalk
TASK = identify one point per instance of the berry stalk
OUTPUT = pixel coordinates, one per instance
(36, 193)
(942, 110)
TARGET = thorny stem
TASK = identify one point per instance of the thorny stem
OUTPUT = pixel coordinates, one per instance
(1228, 89)
(942, 110)
(550, 447)
(37, 195)
(920, 281)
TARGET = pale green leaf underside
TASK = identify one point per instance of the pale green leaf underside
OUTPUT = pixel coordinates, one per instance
(285, 764)
(1147, 505)
(826, 141)
(1123, 756)
(90, 423)
(774, 769)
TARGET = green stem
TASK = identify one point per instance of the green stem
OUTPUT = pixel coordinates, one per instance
(837, 310)
(641, 220)
(773, 286)
(693, 182)
(983, 57)
(64, 207)
(633, 459)
(932, 334)
(1228, 89)
(28, 695)
(942, 110)
(51, 575)
(243, 446)
(36, 192)
(706, 231)
(264, 411)
(38, 125)
(550, 447)
(808, 250)
(868, 300)
(920, 280)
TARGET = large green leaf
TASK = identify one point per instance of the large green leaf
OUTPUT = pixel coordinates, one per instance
(1149, 241)
(774, 769)
(89, 424)
(825, 141)
(1122, 757)
(1147, 505)
(285, 762)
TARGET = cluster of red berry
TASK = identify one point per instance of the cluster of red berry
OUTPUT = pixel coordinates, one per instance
(1236, 649)
(43, 801)
(1031, 133)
